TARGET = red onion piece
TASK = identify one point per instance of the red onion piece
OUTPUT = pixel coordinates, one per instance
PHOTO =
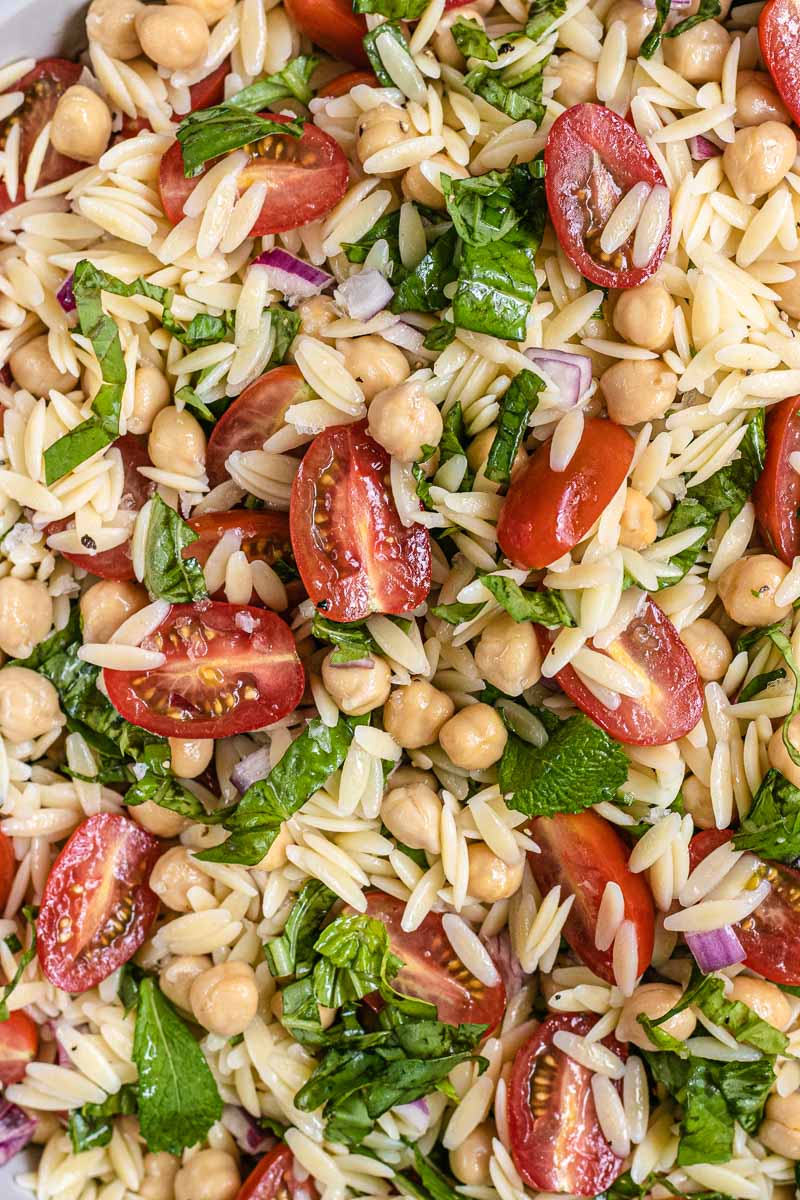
(287, 273)
(16, 1130)
(249, 770)
(571, 373)
(247, 1133)
(364, 295)
(716, 949)
(65, 295)
(701, 148)
(408, 338)
(507, 963)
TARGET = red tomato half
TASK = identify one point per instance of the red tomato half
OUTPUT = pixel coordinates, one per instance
(582, 853)
(432, 972)
(650, 649)
(333, 25)
(305, 177)
(354, 555)
(274, 1179)
(7, 868)
(592, 158)
(547, 512)
(19, 1043)
(43, 86)
(229, 668)
(253, 417)
(769, 937)
(556, 1140)
(343, 84)
(777, 491)
(97, 906)
(779, 36)
(265, 536)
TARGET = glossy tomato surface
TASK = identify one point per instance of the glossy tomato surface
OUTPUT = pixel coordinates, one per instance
(354, 555)
(779, 36)
(769, 936)
(777, 491)
(342, 84)
(432, 972)
(97, 906)
(582, 853)
(19, 1043)
(593, 158)
(253, 417)
(44, 85)
(274, 1179)
(556, 1140)
(672, 695)
(333, 25)
(264, 536)
(305, 178)
(7, 867)
(547, 512)
(229, 668)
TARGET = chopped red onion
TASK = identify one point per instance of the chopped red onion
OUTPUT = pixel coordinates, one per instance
(287, 273)
(507, 963)
(716, 949)
(364, 295)
(16, 1130)
(571, 373)
(249, 770)
(408, 338)
(245, 1130)
(701, 148)
(65, 296)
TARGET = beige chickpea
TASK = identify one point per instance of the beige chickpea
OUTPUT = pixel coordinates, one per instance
(159, 1176)
(173, 876)
(159, 821)
(375, 363)
(747, 589)
(643, 316)
(378, 129)
(417, 187)
(578, 80)
(173, 36)
(357, 689)
(112, 23)
(177, 976)
(414, 714)
(26, 614)
(710, 649)
(47, 1126)
(105, 605)
(779, 756)
(190, 757)
(177, 442)
(638, 22)
(209, 1175)
(469, 1162)
(638, 523)
(789, 293)
(697, 802)
(150, 394)
(758, 158)
(480, 446)
(443, 42)
(490, 878)
(316, 314)
(474, 738)
(780, 1132)
(766, 1000)
(654, 999)
(757, 100)
(412, 814)
(699, 53)
(508, 654)
(637, 391)
(210, 10)
(225, 998)
(81, 124)
(28, 704)
(403, 420)
(406, 776)
(34, 369)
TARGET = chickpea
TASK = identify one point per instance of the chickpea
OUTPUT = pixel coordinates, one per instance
(112, 23)
(375, 363)
(710, 649)
(105, 605)
(357, 690)
(643, 316)
(474, 738)
(47, 1126)
(508, 654)
(638, 524)
(150, 394)
(276, 855)
(789, 293)
(173, 36)
(636, 391)
(469, 1162)
(747, 589)
(697, 802)
(159, 821)
(176, 978)
(177, 442)
(378, 129)
(210, 10)
(757, 100)
(780, 1132)
(778, 754)
(418, 187)
(479, 447)
(224, 999)
(405, 776)
(638, 22)
(443, 42)
(654, 999)
(81, 124)
(28, 704)
(699, 53)
(34, 370)
(209, 1175)
(173, 876)
(412, 815)
(26, 615)
(190, 757)
(578, 80)
(766, 1000)
(414, 714)
(403, 420)
(316, 314)
(490, 878)
(159, 1176)
(758, 158)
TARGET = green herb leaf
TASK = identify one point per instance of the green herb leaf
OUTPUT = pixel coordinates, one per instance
(423, 289)
(688, 514)
(93, 1124)
(168, 575)
(522, 102)
(30, 914)
(440, 336)
(352, 639)
(541, 16)
(216, 131)
(728, 490)
(707, 11)
(759, 683)
(355, 960)
(395, 10)
(285, 325)
(472, 40)
(653, 39)
(520, 400)
(456, 614)
(190, 399)
(545, 607)
(293, 81)
(579, 766)
(372, 47)
(293, 952)
(772, 827)
(169, 792)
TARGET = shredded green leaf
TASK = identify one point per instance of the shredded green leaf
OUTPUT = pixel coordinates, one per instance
(213, 132)
(168, 574)
(520, 400)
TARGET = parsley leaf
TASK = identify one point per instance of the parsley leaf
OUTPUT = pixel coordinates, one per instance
(520, 400)
(168, 574)
(579, 766)
(523, 604)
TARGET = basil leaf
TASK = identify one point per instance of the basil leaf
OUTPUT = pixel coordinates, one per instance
(653, 39)
(485, 208)
(352, 639)
(292, 953)
(472, 40)
(285, 325)
(423, 289)
(579, 766)
(456, 614)
(355, 960)
(294, 80)
(521, 103)
(168, 792)
(452, 442)
(523, 604)
(168, 575)
(403, 10)
(26, 958)
(541, 15)
(190, 399)
(728, 490)
(386, 229)
(781, 641)
(497, 285)
(93, 1124)
(371, 42)
(520, 400)
(440, 336)
(216, 131)
(771, 829)
(688, 514)
(759, 684)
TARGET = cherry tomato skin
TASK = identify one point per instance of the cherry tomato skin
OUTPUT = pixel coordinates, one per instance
(229, 668)
(97, 906)
(556, 1140)
(306, 182)
(8, 867)
(19, 1043)
(353, 553)
(274, 1179)
(777, 491)
(573, 178)
(428, 975)
(333, 25)
(547, 512)
(254, 415)
(43, 86)
(342, 84)
(264, 536)
(779, 38)
(582, 853)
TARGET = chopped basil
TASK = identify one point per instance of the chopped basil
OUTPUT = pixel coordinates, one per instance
(519, 401)
(93, 1124)
(370, 41)
(423, 289)
(403, 10)
(579, 766)
(689, 514)
(759, 684)
(26, 958)
(293, 81)
(728, 490)
(285, 324)
(523, 604)
(706, 12)
(456, 614)
(190, 399)
(521, 101)
(653, 39)
(440, 336)
(352, 639)
(779, 639)
(213, 132)
(485, 208)
(771, 829)
(169, 792)
(472, 40)
(541, 15)
(292, 953)
(168, 575)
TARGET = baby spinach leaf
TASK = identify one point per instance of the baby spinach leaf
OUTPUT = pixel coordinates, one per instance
(523, 604)
(169, 792)
(688, 514)
(520, 400)
(579, 766)
(93, 1124)
(167, 574)
(213, 132)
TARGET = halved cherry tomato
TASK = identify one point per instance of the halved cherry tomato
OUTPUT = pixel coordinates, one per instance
(432, 971)
(779, 37)
(592, 159)
(19, 1043)
(253, 417)
(229, 668)
(777, 492)
(207, 92)
(305, 177)
(547, 512)
(672, 701)
(7, 867)
(264, 536)
(116, 563)
(354, 555)
(43, 86)
(333, 25)
(582, 853)
(769, 936)
(342, 84)
(274, 1179)
(556, 1140)
(97, 906)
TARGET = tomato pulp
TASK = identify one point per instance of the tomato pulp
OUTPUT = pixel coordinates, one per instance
(44, 85)
(274, 1179)
(253, 417)
(777, 491)
(19, 1044)
(342, 84)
